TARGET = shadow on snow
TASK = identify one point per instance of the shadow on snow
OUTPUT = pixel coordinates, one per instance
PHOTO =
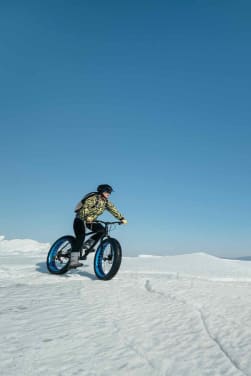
(41, 267)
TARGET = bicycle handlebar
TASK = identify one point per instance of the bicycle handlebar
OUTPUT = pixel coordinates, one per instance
(109, 223)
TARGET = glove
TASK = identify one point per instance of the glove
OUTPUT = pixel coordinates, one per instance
(124, 221)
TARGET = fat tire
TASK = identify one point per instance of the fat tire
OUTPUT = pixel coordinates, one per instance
(117, 258)
(51, 265)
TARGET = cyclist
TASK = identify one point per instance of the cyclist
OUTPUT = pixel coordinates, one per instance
(87, 211)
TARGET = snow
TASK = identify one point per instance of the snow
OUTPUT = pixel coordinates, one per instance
(186, 315)
(19, 246)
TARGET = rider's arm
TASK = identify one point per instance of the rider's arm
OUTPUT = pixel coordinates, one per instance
(114, 211)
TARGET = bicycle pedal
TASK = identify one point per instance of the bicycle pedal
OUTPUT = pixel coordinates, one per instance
(91, 250)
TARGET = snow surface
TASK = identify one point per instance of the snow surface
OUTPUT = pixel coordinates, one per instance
(185, 315)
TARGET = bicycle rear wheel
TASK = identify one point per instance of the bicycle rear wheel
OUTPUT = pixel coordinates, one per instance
(107, 259)
(59, 255)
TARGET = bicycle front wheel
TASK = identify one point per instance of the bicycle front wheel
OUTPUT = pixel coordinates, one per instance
(59, 255)
(107, 259)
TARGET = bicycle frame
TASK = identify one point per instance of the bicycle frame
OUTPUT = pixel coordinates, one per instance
(105, 233)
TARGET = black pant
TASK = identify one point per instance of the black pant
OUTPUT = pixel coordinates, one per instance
(79, 230)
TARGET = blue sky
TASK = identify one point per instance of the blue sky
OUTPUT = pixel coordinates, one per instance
(150, 97)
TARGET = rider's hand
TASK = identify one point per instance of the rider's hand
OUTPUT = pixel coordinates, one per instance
(124, 221)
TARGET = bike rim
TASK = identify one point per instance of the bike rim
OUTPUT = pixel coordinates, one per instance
(59, 256)
(104, 259)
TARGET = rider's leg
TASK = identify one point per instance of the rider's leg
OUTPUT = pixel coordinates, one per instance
(99, 231)
(97, 228)
(79, 230)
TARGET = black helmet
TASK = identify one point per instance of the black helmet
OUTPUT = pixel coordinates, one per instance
(104, 188)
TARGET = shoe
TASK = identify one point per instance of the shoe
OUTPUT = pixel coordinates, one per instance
(74, 263)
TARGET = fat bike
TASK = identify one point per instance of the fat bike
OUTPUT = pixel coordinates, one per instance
(107, 259)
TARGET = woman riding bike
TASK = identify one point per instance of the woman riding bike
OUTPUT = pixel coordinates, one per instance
(87, 211)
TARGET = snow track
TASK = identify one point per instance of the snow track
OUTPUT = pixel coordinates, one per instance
(150, 323)
(205, 320)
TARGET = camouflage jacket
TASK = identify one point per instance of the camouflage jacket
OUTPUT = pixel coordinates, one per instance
(94, 206)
